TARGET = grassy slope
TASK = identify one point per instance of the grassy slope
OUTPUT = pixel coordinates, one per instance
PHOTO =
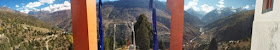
(28, 33)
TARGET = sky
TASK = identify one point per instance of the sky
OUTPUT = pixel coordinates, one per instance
(209, 5)
(36, 5)
(56, 5)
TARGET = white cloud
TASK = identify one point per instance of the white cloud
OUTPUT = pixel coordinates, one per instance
(221, 4)
(22, 3)
(192, 4)
(221, 1)
(31, 6)
(206, 8)
(57, 7)
(25, 11)
(4, 6)
(47, 1)
(186, 8)
(38, 4)
(162, 0)
(16, 6)
(195, 8)
(34, 4)
(233, 9)
(247, 7)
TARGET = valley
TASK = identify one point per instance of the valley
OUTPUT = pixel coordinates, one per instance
(231, 33)
(22, 31)
(222, 24)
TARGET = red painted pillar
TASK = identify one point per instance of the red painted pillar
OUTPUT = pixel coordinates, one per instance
(177, 23)
(84, 24)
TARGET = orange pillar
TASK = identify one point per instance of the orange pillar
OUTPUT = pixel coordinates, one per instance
(177, 23)
(84, 24)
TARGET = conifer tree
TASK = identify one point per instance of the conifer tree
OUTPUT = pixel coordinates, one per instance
(143, 32)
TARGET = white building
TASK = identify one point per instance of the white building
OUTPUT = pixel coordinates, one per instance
(266, 26)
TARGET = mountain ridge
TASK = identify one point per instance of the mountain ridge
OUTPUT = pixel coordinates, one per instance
(220, 13)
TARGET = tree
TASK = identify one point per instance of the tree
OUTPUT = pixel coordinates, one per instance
(143, 31)
(213, 45)
(108, 43)
(161, 45)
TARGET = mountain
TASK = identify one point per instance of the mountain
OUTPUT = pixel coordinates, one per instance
(234, 27)
(61, 19)
(7, 9)
(232, 32)
(220, 13)
(193, 20)
(22, 31)
(191, 27)
(39, 14)
(198, 14)
(125, 12)
(119, 18)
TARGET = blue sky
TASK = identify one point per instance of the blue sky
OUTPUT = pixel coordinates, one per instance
(56, 5)
(36, 5)
(208, 5)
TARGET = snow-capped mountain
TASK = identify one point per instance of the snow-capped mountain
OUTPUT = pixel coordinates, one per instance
(198, 14)
(221, 13)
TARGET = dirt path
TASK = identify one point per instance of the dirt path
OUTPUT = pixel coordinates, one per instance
(201, 31)
(37, 39)
(47, 45)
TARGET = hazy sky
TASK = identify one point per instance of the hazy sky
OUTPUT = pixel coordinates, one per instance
(208, 5)
(29, 5)
(55, 5)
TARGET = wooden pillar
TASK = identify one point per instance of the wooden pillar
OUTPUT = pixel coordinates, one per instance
(84, 24)
(177, 23)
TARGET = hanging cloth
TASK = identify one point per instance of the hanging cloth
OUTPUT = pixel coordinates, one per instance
(100, 29)
(155, 38)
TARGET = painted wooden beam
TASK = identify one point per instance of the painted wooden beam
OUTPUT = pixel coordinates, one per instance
(84, 24)
(177, 23)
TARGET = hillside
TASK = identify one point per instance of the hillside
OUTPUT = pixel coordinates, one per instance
(235, 27)
(193, 20)
(21, 19)
(232, 32)
(7, 9)
(124, 13)
(124, 17)
(198, 14)
(26, 32)
(61, 19)
(191, 27)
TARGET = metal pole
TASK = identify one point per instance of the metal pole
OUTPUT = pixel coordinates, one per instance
(114, 46)
(133, 32)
